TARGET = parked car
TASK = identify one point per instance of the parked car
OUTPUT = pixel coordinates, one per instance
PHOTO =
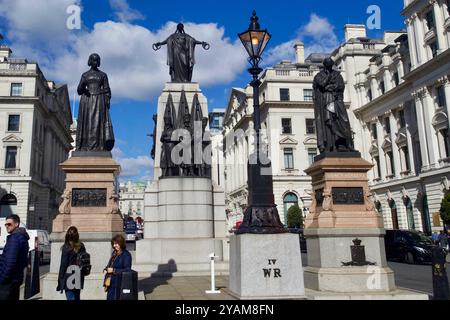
(408, 246)
(43, 244)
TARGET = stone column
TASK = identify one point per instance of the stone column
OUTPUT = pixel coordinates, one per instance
(373, 80)
(446, 83)
(420, 35)
(410, 150)
(395, 151)
(47, 154)
(381, 155)
(412, 42)
(439, 26)
(387, 74)
(421, 130)
(400, 70)
(432, 142)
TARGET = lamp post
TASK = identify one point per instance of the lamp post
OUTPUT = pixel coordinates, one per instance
(261, 215)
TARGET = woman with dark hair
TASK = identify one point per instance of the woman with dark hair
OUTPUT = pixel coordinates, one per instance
(120, 262)
(72, 246)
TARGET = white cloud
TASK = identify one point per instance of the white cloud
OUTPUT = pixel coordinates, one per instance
(123, 11)
(318, 35)
(135, 70)
(140, 167)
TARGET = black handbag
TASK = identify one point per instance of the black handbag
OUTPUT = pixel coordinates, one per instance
(127, 288)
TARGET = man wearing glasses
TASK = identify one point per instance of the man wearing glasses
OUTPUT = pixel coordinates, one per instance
(14, 259)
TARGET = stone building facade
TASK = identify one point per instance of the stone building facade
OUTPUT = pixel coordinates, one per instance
(131, 199)
(35, 138)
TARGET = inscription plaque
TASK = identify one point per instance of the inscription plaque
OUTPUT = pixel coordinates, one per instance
(89, 198)
(348, 196)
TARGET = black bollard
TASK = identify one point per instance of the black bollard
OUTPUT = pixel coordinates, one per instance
(32, 279)
(128, 286)
(440, 280)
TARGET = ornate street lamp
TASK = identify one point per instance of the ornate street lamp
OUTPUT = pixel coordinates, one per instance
(261, 215)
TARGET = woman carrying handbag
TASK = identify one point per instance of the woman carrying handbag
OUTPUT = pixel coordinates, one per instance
(120, 262)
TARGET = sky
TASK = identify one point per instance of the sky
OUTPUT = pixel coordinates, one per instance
(123, 31)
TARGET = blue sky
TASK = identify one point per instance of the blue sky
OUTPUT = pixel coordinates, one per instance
(122, 32)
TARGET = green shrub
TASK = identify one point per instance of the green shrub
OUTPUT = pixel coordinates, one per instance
(295, 217)
(445, 209)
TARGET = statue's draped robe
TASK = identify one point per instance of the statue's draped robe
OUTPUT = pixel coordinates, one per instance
(94, 127)
(166, 136)
(331, 127)
(180, 56)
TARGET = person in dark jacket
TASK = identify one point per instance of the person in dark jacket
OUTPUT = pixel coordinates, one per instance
(14, 259)
(120, 262)
(69, 251)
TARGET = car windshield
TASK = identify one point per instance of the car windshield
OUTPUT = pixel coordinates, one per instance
(418, 237)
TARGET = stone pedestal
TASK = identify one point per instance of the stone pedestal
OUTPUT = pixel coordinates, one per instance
(184, 224)
(345, 235)
(91, 205)
(266, 267)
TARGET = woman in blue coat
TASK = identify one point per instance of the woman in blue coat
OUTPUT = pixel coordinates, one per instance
(120, 262)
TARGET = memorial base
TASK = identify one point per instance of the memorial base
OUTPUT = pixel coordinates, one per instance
(266, 267)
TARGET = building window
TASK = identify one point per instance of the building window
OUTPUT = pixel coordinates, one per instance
(377, 162)
(373, 131)
(310, 126)
(382, 87)
(390, 156)
(441, 96)
(289, 201)
(308, 94)
(287, 126)
(8, 205)
(445, 143)
(430, 20)
(387, 125)
(11, 155)
(433, 48)
(284, 95)
(13, 122)
(401, 118)
(396, 79)
(369, 94)
(448, 6)
(312, 153)
(289, 159)
(406, 155)
(16, 89)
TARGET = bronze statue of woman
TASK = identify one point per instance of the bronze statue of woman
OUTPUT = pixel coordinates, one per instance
(94, 130)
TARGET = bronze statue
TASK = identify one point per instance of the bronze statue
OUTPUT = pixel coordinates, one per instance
(167, 165)
(155, 120)
(180, 54)
(94, 131)
(333, 126)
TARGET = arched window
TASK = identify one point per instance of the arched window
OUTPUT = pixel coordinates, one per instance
(410, 213)
(289, 200)
(393, 206)
(8, 205)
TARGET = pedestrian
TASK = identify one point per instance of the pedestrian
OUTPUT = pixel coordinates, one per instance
(435, 238)
(443, 240)
(14, 259)
(120, 262)
(69, 252)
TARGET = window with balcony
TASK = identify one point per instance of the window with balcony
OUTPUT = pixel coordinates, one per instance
(308, 94)
(16, 89)
(287, 126)
(407, 163)
(430, 20)
(369, 94)
(441, 96)
(310, 126)
(377, 164)
(401, 118)
(444, 143)
(390, 157)
(13, 123)
(289, 159)
(11, 155)
(284, 95)
(312, 153)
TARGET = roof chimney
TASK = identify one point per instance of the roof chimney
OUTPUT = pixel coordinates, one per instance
(354, 31)
(299, 53)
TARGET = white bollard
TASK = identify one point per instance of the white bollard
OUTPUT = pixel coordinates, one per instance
(213, 276)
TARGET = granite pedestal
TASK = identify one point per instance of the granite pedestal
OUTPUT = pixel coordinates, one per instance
(266, 267)
(345, 235)
(91, 205)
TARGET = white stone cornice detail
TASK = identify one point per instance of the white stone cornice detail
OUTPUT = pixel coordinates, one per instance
(443, 81)
(445, 183)
(12, 139)
(288, 141)
(405, 193)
